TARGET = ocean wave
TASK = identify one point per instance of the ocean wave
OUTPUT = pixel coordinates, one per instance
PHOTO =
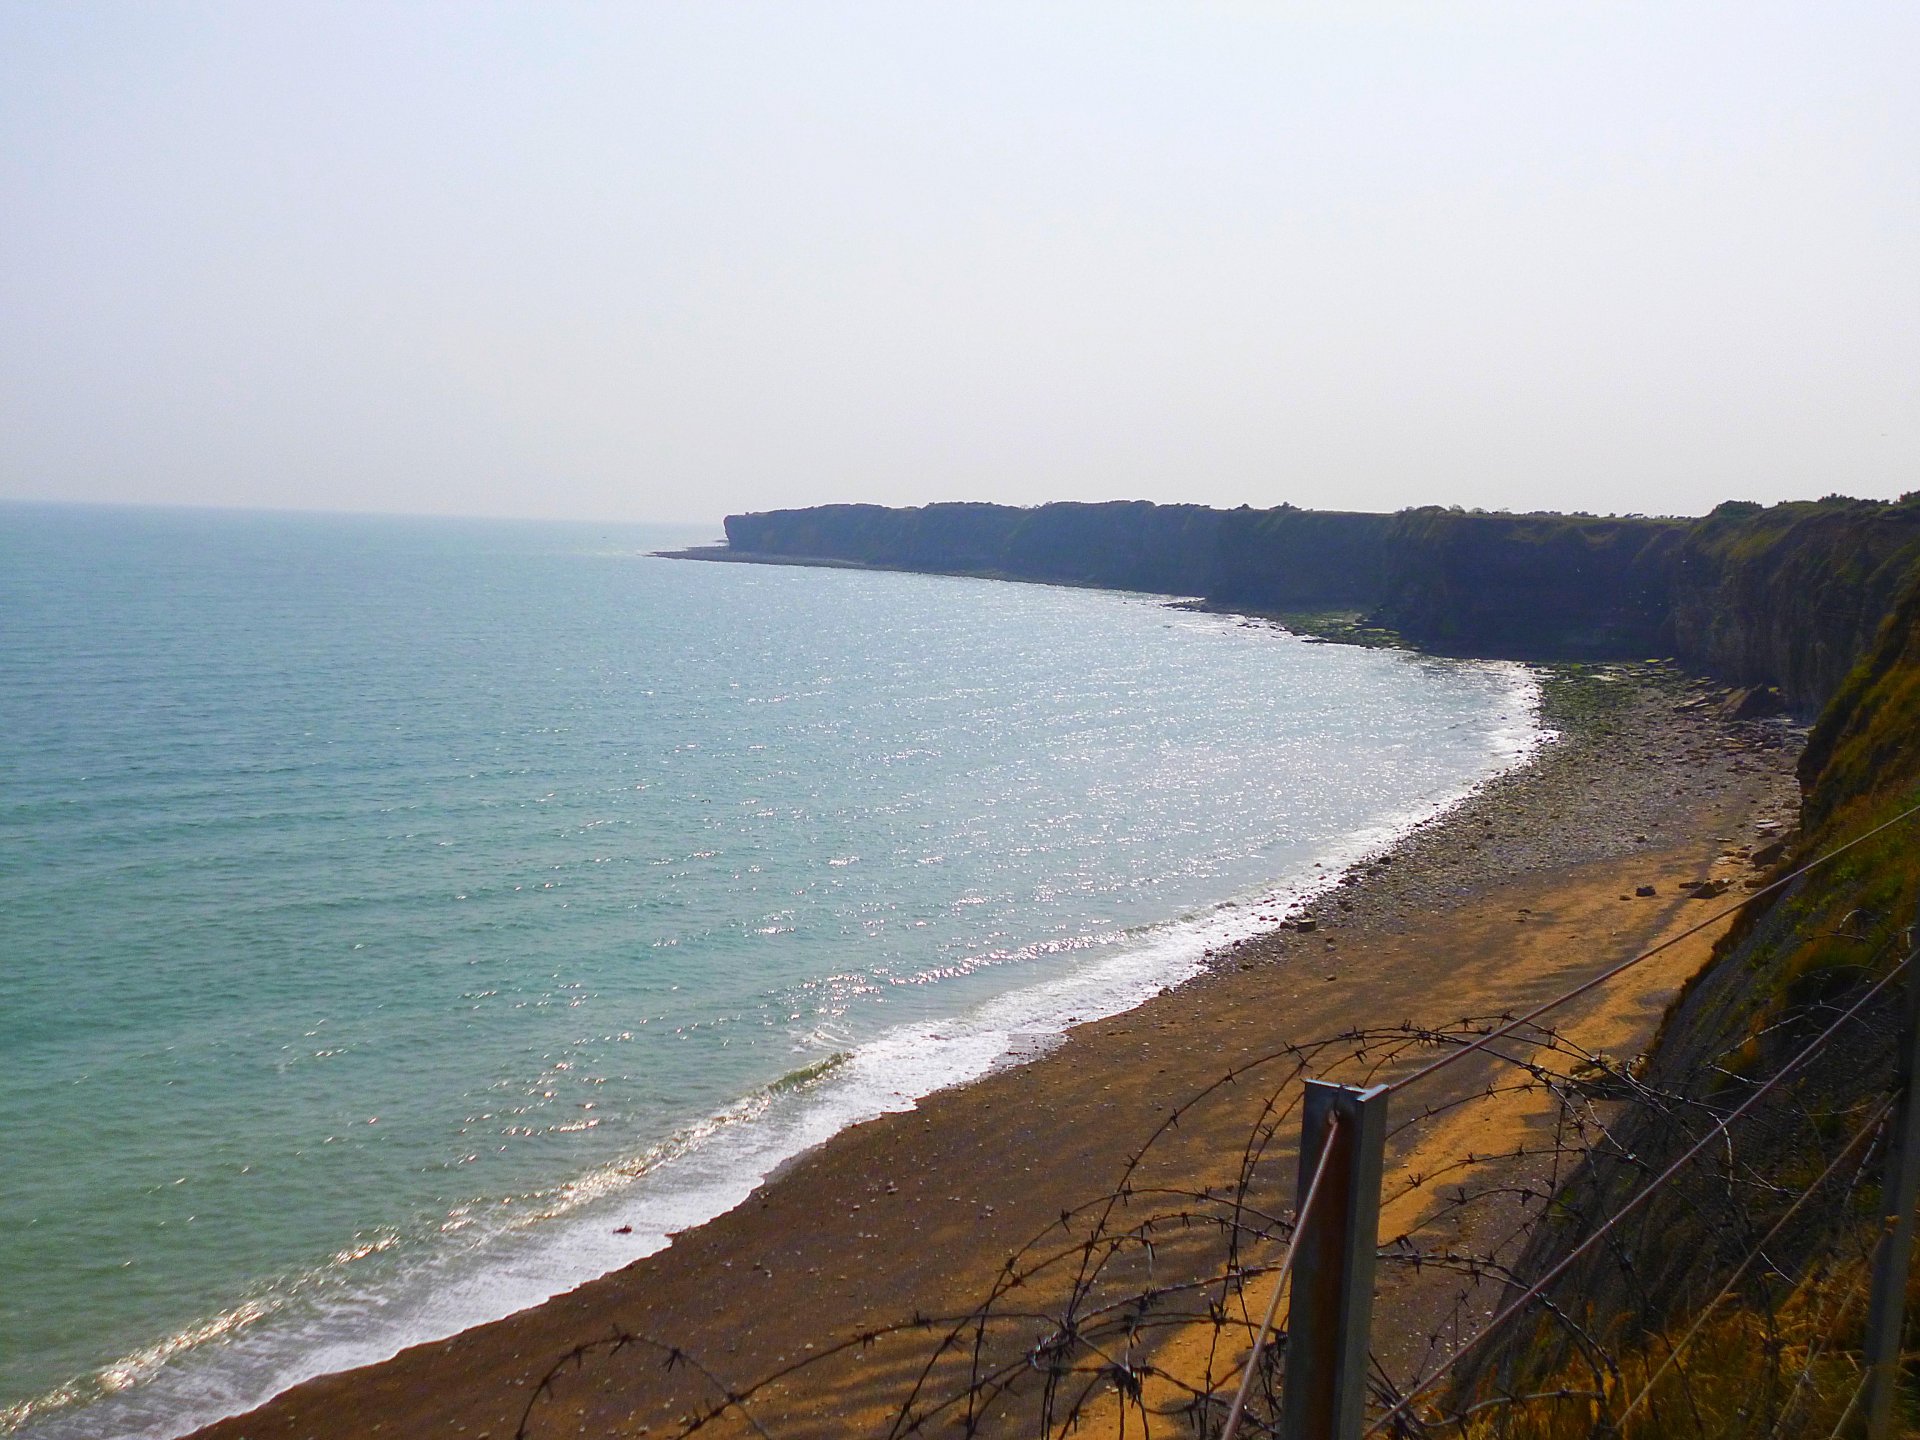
(379, 1298)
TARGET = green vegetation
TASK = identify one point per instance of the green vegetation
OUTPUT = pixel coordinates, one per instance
(1341, 627)
(1778, 1354)
(1791, 595)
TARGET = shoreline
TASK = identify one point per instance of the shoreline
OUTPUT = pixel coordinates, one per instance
(258, 1352)
(364, 1324)
(983, 1165)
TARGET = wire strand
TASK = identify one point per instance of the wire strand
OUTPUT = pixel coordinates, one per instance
(1720, 1127)
(1434, 1067)
(1878, 1114)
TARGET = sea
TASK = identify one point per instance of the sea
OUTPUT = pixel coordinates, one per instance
(405, 920)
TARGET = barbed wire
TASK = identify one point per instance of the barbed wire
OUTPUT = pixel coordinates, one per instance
(1136, 1306)
(1720, 1129)
(1615, 971)
(1861, 1134)
(1104, 1339)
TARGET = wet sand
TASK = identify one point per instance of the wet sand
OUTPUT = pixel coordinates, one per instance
(1517, 894)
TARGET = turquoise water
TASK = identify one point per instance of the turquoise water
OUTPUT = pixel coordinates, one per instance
(392, 909)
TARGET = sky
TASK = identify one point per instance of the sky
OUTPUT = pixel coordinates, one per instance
(668, 261)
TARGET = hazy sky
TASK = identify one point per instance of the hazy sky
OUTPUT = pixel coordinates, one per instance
(665, 261)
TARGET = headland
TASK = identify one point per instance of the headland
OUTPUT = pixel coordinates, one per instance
(818, 1300)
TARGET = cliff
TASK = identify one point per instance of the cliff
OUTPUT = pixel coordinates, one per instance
(1787, 596)
(1288, 559)
(1797, 958)
(1531, 586)
(1792, 595)
(1122, 545)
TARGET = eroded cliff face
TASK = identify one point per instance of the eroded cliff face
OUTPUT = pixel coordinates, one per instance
(1532, 586)
(1288, 559)
(1788, 596)
(1122, 544)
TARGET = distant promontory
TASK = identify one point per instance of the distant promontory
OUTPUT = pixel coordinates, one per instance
(1786, 597)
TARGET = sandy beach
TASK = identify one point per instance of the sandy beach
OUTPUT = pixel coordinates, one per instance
(1517, 894)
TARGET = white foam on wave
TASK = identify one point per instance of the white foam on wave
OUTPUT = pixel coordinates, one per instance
(560, 1240)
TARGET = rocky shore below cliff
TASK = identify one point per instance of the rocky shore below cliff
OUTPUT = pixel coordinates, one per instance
(1634, 747)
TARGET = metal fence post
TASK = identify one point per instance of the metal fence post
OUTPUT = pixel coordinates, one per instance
(1887, 1310)
(1331, 1309)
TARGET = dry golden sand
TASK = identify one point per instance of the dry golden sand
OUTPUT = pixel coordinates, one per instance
(1516, 896)
(1617, 1020)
